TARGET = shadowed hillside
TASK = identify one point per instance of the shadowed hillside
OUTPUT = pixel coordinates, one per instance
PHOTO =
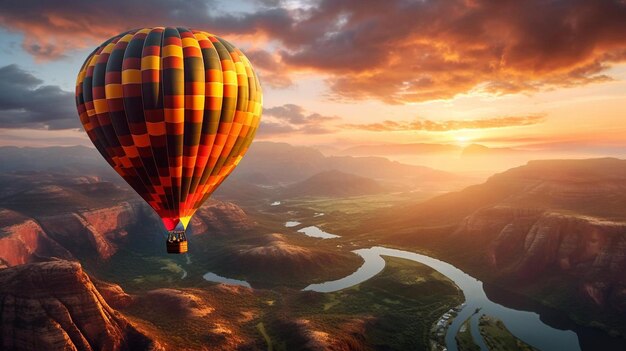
(334, 184)
(549, 223)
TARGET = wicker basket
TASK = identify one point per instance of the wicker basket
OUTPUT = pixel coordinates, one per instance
(177, 247)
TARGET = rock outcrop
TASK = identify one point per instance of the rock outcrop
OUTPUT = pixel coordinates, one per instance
(54, 306)
(93, 233)
(23, 240)
(305, 334)
(179, 303)
(278, 260)
(277, 248)
(89, 233)
(112, 221)
(277, 253)
(529, 241)
(77, 235)
(528, 244)
(113, 294)
(219, 217)
(547, 219)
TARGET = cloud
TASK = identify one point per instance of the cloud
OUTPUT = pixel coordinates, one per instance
(26, 103)
(293, 119)
(272, 71)
(43, 138)
(444, 126)
(401, 51)
(53, 28)
(396, 51)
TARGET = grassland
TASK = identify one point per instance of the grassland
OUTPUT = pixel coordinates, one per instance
(395, 308)
(344, 215)
(498, 337)
(464, 339)
(392, 311)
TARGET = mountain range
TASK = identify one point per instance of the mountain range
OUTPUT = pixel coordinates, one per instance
(334, 184)
(273, 163)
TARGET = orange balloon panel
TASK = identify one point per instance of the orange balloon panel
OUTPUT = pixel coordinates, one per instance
(172, 110)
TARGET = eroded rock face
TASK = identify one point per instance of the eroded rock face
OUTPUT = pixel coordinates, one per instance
(98, 232)
(54, 306)
(219, 217)
(178, 302)
(349, 336)
(275, 252)
(66, 235)
(278, 248)
(113, 294)
(111, 221)
(78, 235)
(529, 243)
(23, 240)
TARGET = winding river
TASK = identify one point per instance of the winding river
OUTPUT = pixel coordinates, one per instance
(525, 325)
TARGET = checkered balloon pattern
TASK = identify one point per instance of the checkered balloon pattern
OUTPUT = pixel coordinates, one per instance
(172, 110)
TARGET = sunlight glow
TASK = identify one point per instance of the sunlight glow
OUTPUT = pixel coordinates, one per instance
(462, 139)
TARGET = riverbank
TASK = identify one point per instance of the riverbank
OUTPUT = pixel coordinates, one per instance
(439, 329)
(498, 337)
(525, 325)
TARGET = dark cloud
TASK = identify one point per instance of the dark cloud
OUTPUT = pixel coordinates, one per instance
(296, 115)
(53, 28)
(272, 70)
(396, 50)
(25, 103)
(294, 119)
(403, 51)
(268, 128)
(444, 126)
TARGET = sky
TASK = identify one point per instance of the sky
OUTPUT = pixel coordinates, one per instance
(339, 73)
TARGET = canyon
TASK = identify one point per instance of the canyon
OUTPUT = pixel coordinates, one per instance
(558, 222)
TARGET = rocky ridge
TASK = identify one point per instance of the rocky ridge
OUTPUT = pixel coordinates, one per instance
(528, 243)
(96, 232)
(562, 219)
(55, 306)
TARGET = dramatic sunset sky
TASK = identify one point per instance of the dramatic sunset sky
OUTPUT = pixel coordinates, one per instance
(530, 74)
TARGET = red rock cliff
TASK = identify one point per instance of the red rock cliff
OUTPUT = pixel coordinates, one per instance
(54, 306)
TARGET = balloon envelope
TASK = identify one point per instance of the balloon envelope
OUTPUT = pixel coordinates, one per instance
(172, 110)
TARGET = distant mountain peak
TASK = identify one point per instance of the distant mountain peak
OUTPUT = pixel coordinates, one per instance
(334, 183)
(482, 150)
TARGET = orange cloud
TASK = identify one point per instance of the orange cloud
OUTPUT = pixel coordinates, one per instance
(400, 51)
(444, 126)
(395, 51)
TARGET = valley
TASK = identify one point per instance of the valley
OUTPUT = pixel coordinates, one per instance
(491, 231)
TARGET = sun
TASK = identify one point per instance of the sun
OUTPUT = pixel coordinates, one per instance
(462, 139)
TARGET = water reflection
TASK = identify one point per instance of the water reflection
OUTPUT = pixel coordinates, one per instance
(212, 277)
(523, 324)
(316, 232)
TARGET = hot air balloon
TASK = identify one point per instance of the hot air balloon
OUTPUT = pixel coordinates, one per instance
(173, 111)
